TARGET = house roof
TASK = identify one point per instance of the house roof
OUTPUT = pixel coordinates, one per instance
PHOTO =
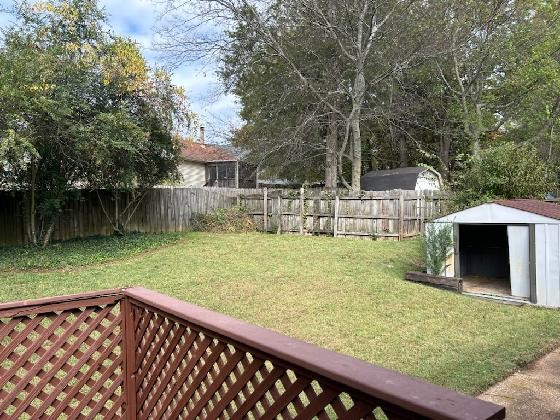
(198, 152)
(542, 208)
(392, 179)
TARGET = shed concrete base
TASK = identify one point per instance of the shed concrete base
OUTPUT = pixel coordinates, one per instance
(486, 285)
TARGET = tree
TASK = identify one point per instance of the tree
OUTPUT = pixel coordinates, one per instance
(477, 32)
(388, 83)
(79, 108)
(530, 92)
(333, 52)
(286, 127)
(504, 171)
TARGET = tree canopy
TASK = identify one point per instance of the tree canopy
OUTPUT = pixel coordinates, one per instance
(80, 108)
(503, 171)
(383, 83)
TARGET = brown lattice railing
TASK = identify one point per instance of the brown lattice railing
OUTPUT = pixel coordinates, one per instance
(135, 353)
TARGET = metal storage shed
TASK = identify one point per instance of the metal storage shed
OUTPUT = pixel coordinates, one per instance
(511, 247)
(414, 178)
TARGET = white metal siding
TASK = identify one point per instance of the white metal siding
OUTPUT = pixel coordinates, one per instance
(428, 181)
(547, 251)
(519, 271)
(193, 174)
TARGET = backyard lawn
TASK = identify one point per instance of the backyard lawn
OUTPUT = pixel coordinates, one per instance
(345, 295)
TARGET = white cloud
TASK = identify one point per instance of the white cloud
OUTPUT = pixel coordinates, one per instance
(137, 20)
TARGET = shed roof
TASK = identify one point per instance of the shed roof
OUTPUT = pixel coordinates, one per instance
(533, 206)
(506, 212)
(392, 179)
(199, 152)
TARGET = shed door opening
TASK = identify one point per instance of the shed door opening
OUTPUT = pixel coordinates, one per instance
(484, 258)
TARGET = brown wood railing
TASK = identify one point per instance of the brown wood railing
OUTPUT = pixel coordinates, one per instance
(135, 353)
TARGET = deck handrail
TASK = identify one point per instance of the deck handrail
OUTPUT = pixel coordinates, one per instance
(397, 394)
(400, 390)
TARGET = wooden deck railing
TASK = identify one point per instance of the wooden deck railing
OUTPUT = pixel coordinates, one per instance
(135, 353)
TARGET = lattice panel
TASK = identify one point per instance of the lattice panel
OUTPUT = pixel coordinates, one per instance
(62, 364)
(183, 373)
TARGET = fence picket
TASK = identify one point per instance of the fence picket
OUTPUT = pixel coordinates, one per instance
(367, 215)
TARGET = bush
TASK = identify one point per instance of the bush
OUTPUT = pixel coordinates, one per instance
(231, 220)
(436, 243)
(504, 171)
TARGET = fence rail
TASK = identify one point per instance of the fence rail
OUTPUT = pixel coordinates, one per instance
(388, 215)
(160, 210)
(134, 353)
(371, 214)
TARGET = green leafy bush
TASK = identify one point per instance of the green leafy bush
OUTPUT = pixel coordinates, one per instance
(231, 220)
(436, 243)
(504, 171)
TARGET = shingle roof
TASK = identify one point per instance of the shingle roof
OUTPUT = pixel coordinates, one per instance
(539, 207)
(391, 179)
(199, 152)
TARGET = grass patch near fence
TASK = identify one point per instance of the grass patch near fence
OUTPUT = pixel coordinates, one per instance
(80, 252)
(345, 295)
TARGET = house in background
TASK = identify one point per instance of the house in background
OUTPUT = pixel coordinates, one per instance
(416, 178)
(210, 165)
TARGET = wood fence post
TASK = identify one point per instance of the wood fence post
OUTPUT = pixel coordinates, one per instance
(265, 209)
(279, 228)
(335, 222)
(301, 209)
(418, 212)
(422, 211)
(401, 216)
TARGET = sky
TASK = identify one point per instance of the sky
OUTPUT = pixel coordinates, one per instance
(136, 19)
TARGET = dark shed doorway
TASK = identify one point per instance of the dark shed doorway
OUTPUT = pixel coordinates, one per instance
(484, 255)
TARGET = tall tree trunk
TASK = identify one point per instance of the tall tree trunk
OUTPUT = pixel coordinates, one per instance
(477, 131)
(32, 207)
(330, 155)
(444, 148)
(403, 152)
(356, 153)
(358, 95)
(397, 139)
(48, 235)
(118, 221)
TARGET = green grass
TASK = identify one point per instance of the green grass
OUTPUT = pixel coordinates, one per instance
(345, 295)
(81, 252)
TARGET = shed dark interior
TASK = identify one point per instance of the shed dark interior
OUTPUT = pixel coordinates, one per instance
(484, 251)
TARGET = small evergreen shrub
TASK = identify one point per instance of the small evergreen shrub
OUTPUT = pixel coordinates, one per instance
(231, 220)
(436, 243)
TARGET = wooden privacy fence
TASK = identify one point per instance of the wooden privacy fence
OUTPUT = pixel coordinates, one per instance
(376, 214)
(390, 215)
(137, 354)
(160, 210)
